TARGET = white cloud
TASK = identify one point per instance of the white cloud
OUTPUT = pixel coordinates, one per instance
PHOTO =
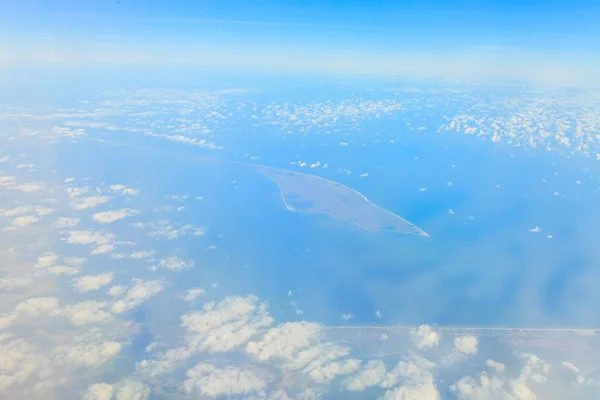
(102, 249)
(209, 380)
(30, 187)
(139, 292)
(46, 260)
(347, 317)
(496, 366)
(63, 270)
(117, 290)
(225, 325)
(14, 282)
(89, 236)
(85, 312)
(38, 210)
(173, 263)
(137, 255)
(165, 230)
(417, 380)
(150, 347)
(82, 203)
(107, 217)
(86, 354)
(193, 294)
(132, 390)
(298, 346)
(492, 388)
(65, 222)
(102, 240)
(371, 375)
(283, 342)
(535, 229)
(124, 190)
(485, 386)
(34, 307)
(424, 337)
(99, 391)
(466, 344)
(570, 366)
(92, 282)
(220, 327)
(47, 263)
(21, 222)
(19, 360)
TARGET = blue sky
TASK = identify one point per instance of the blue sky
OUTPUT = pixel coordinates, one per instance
(546, 41)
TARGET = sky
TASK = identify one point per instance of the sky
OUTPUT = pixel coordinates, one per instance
(547, 42)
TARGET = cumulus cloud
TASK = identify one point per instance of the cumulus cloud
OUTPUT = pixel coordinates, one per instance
(65, 222)
(11, 282)
(496, 366)
(38, 210)
(172, 263)
(124, 190)
(117, 290)
(424, 337)
(86, 354)
(466, 344)
(83, 203)
(220, 327)
(132, 390)
(136, 255)
(371, 374)
(107, 217)
(136, 294)
(209, 380)
(486, 386)
(19, 360)
(85, 312)
(298, 346)
(30, 187)
(34, 307)
(92, 282)
(102, 240)
(102, 249)
(570, 366)
(416, 376)
(285, 341)
(47, 263)
(225, 325)
(192, 294)
(99, 391)
(168, 231)
(21, 222)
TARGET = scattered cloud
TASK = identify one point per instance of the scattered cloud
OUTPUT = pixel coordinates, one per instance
(83, 203)
(136, 294)
(124, 190)
(208, 380)
(172, 263)
(92, 282)
(165, 230)
(107, 217)
(10, 282)
(466, 344)
(99, 391)
(65, 222)
(424, 337)
(192, 294)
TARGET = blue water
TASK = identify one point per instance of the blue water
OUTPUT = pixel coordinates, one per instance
(481, 266)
